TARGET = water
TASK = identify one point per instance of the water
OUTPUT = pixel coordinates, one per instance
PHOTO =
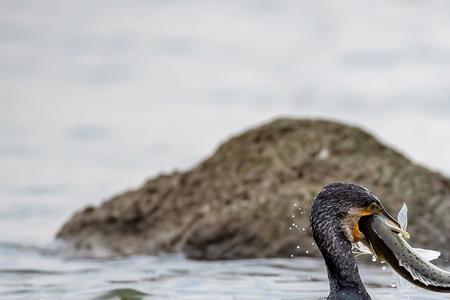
(96, 96)
(31, 273)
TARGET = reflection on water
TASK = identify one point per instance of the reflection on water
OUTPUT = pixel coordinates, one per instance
(33, 273)
(123, 294)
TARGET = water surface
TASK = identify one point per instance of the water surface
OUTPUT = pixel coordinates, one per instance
(34, 273)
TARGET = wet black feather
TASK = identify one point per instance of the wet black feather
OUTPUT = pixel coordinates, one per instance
(328, 211)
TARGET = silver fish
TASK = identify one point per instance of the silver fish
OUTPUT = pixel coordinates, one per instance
(387, 241)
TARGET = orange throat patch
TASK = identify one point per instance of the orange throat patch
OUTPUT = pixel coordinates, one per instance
(357, 235)
(351, 223)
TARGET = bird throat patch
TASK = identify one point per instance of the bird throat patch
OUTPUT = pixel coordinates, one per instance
(357, 235)
(351, 227)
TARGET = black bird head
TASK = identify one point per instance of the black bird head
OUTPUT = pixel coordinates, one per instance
(335, 213)
(342, 205)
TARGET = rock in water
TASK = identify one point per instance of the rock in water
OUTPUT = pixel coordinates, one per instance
(239, 202)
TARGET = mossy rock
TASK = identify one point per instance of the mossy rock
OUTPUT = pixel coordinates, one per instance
(241, 202)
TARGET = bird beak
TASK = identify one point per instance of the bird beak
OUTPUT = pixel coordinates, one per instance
(390, 222)
(393, 223)
(384, 212)
(380, 210)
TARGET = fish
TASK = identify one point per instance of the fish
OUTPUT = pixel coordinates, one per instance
(387, 241)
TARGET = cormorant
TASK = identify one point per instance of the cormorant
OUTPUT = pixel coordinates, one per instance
(335, 213)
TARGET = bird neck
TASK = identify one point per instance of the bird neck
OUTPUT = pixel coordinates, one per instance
(342, 270)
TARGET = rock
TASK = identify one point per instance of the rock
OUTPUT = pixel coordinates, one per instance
(239, 202)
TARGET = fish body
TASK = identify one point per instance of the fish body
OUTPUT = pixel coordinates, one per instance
(390, 246)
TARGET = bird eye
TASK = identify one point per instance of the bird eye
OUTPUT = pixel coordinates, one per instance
(373, 206)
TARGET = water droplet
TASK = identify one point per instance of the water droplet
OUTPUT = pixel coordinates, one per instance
(308, 277)
(393, 285)
(384, 268)
(303, 228)
(292, 255)
(298, 246)
(295, 204)
(307, 252)
(374, 258)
